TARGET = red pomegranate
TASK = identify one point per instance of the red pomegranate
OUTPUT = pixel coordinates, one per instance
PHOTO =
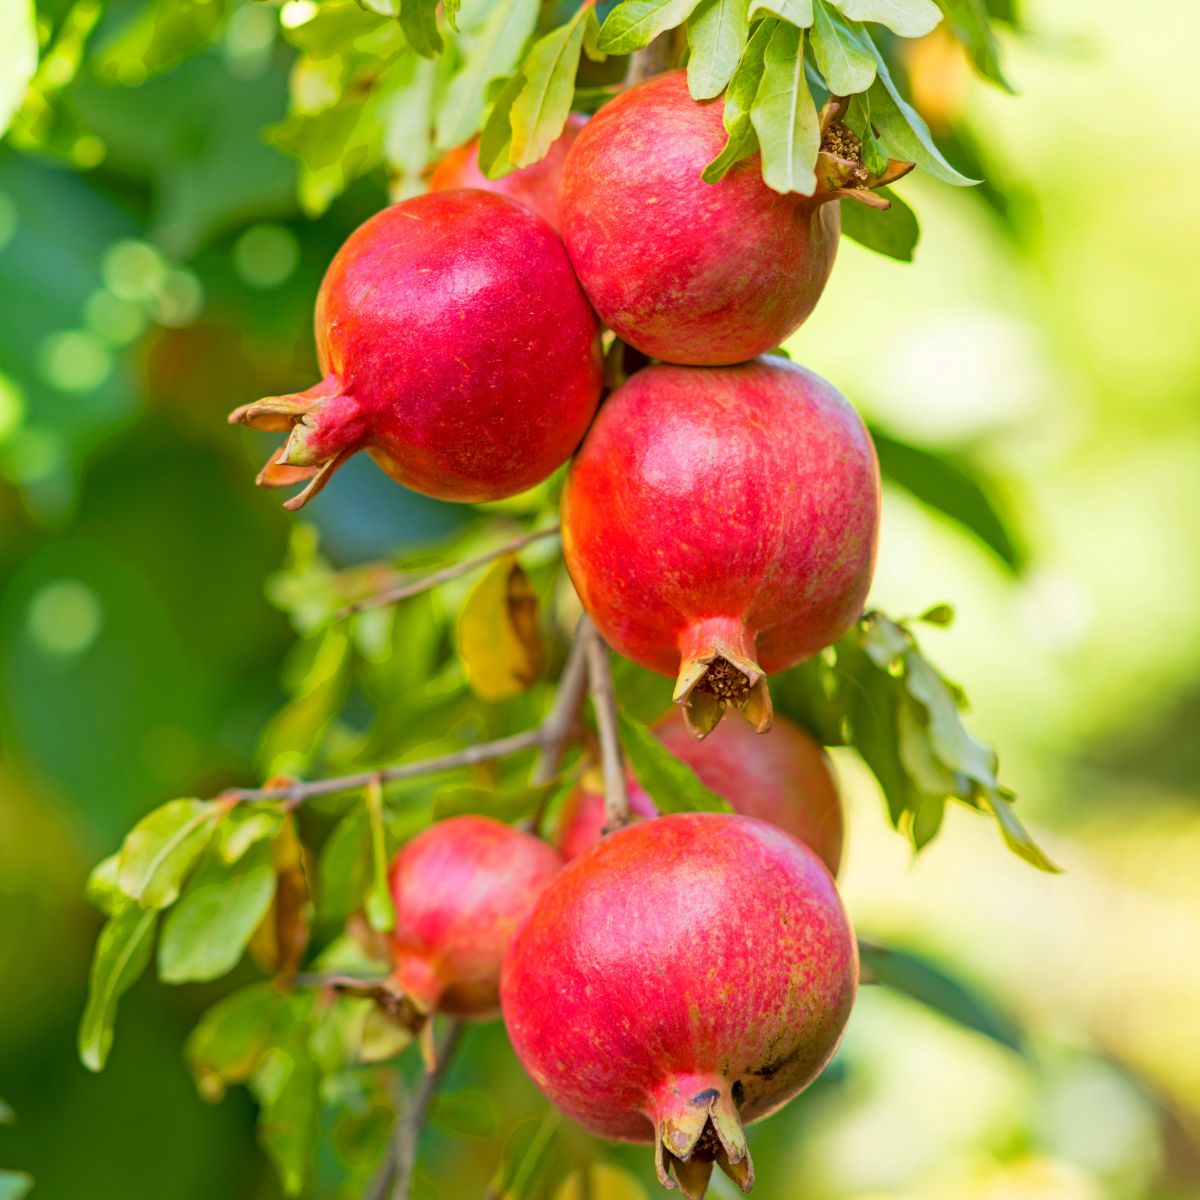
(691, 272)
(782, 776)
(536, 187)
(683, 977)
(461, 888)
(720, 525)
(458, 350)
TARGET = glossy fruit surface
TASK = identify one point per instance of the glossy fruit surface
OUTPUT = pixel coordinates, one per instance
(536, 186)
(457, 348)
(782, 776)
(686, 271)
(461, 888)
(720, 525)
(682, 978)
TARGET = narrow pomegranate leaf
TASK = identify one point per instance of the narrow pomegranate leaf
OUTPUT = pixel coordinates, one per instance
(636, 23)
(344, 866)
(489, 53)
(121, 955)
(794, 12)
(161, 849)
(904, 135)
(499, 639)
(785, 117)
(908, 18)
(717, 34)
(541, 108)
(205, 934)
(418, 20)
(159, 37)
(672, 784)
(103, 889)
(378, 906)
(495, 140)
(1016, 836)
(893, 231)
(246, 825)
(972, 26)
(925, 981)
(231, 1038)
(846, 67)
(741, 140)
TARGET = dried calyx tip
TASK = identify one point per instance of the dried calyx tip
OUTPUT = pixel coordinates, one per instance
(716, 681)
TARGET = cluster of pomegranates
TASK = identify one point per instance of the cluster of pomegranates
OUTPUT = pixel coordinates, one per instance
(688, 973)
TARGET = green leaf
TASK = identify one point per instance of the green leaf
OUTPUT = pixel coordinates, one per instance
(540, 110)
(18, 56)
(672, 784)
(418, 20)
(103, 889)
(450, 8)
(488, 54)
(785, 117)
(231, 1038)
(161, 848)
(246, 825)
(904, 134)
(495, 140)
(408, 144)
(378, 905)
(846, 67)
(717, 34)
(953, 486)
(470, 1114)
(121, 954)
(160, 36)
(205, 934)
(15, 1185)
(344, 869)
(972, 26)
(918, 977)
(505, 803)
(893, 231)
(499, 637)
(908, 18)
(794, 12)
(1016, 836)
(634, 24)
(741, 140)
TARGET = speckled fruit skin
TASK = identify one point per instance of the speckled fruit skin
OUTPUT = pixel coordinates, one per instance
(723, 521)
(536, 187)
(461, 888)
(782, 776)
(686, 271)
(457, 348)
(683, 977)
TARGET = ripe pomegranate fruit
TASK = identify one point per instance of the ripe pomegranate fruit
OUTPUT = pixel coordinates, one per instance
(782, 776)
(536, 187)
(458, 350)
(461, 888)
(720, 525)
(683, 977)
(691, 272)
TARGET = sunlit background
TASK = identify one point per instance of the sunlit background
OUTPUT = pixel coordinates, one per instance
(168, 275)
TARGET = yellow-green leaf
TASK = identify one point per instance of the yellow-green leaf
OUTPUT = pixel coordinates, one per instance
(540, 109)
(785, 117)
(498, 635)
(121, 954)
(636, 23)
(908, 18)
(717, 34)
(161, 849)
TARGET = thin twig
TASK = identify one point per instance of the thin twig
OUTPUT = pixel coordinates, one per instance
(563, 718)
(396, 1170)
(416, 586)
(650, 60)
(604, 702)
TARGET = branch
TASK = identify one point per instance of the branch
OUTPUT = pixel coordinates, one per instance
(396, 1171)
(650, 60)
(604, 702)
(424, 584)
(563, 719)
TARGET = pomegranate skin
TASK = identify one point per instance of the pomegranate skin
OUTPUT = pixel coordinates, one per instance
(782, 776)
(683, 977)
(536, 187)
(686, 271)
(720, 525)
(461, 889)
(457, 347)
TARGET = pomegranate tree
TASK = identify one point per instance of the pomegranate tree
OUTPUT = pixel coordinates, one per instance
(682, 978)
(782, 776)
(457, 349)
(720, 525)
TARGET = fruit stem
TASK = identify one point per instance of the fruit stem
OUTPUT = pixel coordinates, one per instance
(604, 703)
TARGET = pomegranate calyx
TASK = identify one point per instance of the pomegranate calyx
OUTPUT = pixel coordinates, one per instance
(841, 172)
(718, 671)
(693, 1131)
(322, 434)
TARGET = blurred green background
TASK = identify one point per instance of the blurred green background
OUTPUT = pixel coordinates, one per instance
(155, 271)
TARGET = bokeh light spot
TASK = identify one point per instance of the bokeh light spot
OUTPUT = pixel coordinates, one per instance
(265, 255)
(12, 407)
(133, 270)
(65, 618)
(179, 299)
(117, 321)
(75, 361)
(296, 13)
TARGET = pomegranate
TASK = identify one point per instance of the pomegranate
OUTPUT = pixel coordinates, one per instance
(461, 888)
(681, 978)
(720, 525)
(536, 187)
(782, 777)
(692, 272)
(458, 350)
